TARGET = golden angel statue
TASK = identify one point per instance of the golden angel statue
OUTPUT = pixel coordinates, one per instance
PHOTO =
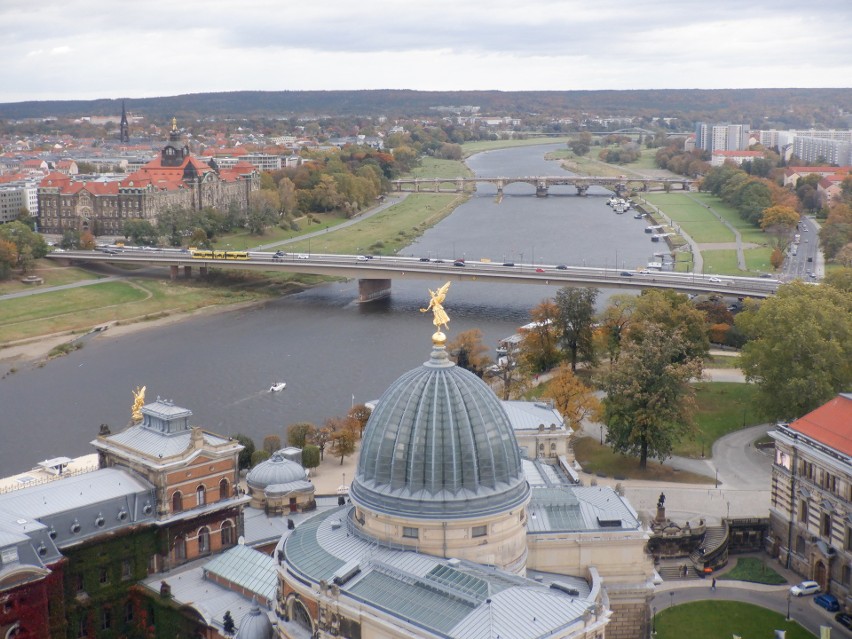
(138, 403)
(440, 317)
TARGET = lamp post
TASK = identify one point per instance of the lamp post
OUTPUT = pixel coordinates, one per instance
(789, 597)
(654, 623)
(671, 598)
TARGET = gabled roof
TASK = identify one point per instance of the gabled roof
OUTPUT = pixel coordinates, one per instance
(830, 424)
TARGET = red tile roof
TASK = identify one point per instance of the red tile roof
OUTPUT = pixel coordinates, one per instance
(830, 424)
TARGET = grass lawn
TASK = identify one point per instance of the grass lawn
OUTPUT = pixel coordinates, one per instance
(600, 460)
(242, 240)
(722, 261)
(469, 148)
(722, 361)
(723, 407)
(389, 231)
(434, 168)
(81, 308)
(701, 225)
(723, 619)
(748, 232)
(53, 274)
(754, 570)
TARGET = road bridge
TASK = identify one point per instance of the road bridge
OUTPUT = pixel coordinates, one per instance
(376, 274)
(621, 184)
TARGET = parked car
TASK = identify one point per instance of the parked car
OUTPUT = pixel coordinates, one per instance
(844, 619)
(829, 602)
(805, 588)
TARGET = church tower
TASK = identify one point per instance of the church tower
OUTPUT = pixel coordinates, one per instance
(173, 154)
(124, 127)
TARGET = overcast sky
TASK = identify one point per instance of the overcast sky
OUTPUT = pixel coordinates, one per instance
(86, 49)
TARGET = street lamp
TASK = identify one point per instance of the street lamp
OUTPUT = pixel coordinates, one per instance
(671, 598)
(789, 597)
(654, 623)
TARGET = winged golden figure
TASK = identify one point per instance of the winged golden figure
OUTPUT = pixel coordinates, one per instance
(138, 403)
(440, 317)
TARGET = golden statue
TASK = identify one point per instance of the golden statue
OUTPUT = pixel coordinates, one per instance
(138, 403)
(174, 124)
(440, 317)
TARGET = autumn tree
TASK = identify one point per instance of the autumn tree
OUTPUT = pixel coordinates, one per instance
(8, 257)
(649, 403)
(287, 196)
(299, 434)
(539, 348)
(614, 321)
(87, 240)
(672, 312)
(271, 443)
(468, 352)
(572, 398)
(576, 323)
(343, 441)
(799, 349)
(779, 220)
(360, 414)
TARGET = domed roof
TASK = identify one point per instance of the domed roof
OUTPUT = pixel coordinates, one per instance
(255, 625)
(439, 445)
(275, 470)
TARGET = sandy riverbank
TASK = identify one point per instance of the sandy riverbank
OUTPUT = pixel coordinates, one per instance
(38, 348)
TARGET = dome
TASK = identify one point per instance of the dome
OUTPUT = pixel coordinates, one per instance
(439, 445)
(275, 470)
(255, 625)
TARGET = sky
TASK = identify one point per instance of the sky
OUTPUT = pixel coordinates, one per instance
(88, 49)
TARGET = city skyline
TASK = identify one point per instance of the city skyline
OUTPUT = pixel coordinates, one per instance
(87, 50)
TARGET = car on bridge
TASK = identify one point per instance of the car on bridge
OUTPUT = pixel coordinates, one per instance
(626, 274)
(425, 259)
(361, 258)
(508, 263)
(458, 263)
(539, 270)
(561, 267)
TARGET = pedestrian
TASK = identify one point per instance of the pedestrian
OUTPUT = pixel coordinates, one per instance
(713, 585)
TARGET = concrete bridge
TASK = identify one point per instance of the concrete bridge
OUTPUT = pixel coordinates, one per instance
(621, 184)
(375, 275)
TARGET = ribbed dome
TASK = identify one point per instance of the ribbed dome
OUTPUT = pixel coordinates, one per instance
(275, 470)
(439, 444)
(255, 625)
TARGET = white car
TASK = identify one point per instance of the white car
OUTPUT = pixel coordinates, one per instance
(645, 271)
(715, 280)
(302, 256)
(805, 588)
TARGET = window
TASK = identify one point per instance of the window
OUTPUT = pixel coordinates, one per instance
(81, 627)
(126, 569)
(224, 489)
(103, 576)
(825, 526)
(844, 575)
(106, 619)
(848, 538)
(80, 582)
(803, 511)
(480, 531)
(227, 533)
(203, 540)
(200, 496)
(177, 502)
(128, 612)
(180, 548)
(410, 533)
(800, 545)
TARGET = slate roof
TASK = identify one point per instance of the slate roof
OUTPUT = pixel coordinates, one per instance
(247, 568)
(156, 444)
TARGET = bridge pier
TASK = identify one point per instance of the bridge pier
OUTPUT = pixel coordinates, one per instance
(372, 290)
(187, 272)
(541, 189)
(173, 271)
(582, 189)
(202, 271)
(460, 185)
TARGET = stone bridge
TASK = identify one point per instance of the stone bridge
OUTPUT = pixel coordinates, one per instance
(621, 184)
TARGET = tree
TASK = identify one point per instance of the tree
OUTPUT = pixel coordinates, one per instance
(287, 196)
(321, 437)
(247, 451)
(140, 232)
(8, 257)
(539, 348)
(360, 414)
(299, 434)
(259, 456)
(799, 349)
(469, 352)
(614, 321)
(781, 219)
(310, 456)
(344, 440)
(649, 403)
(271, 443)
(28, 244)
(573, 399)
(576, 322)
(228, 624)
(87, 240)
(670, 311)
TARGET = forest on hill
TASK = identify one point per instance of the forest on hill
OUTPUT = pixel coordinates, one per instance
(792, 107)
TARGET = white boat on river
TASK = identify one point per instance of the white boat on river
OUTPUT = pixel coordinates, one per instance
(277, 386)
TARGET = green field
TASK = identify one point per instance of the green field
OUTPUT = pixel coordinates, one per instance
(753, 570)
(695, 219)
(721, 620)
(723, 408)
(242, 240)
(470, 148)
(749, 233)
(434, 168)
(51, 272)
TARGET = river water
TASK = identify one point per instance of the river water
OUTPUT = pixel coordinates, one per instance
(328, 348)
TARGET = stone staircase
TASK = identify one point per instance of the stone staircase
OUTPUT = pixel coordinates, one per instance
(713, 548)
(674, 572)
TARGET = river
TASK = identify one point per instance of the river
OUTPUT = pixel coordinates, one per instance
(328, 348)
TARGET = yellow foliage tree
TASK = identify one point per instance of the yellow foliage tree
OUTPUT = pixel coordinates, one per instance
(572, 398)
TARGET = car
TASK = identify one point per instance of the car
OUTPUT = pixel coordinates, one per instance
(110, 251)
(58, 250)
(369, 257)
(561, 267)
(458, 263)
(812, 275)
(361, 258)
(715, 280)
(766, 276)
(805, 588)
(424, 259)
(302, 256)
(844, 619)
(645, 271)
(829, 602)
(539, 270)
(805, 229)
(279, 254)
(508, 263)
(439, 261)
(626, 274)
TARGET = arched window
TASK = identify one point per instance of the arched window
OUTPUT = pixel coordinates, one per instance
(553, 450)
(800, 545)
(227, 533)
(201, 495)
(180, 548)
(177, 502)
(541, 450)
(203, 540)
(224, 489)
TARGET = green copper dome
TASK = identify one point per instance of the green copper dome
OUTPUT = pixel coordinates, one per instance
(439, 445)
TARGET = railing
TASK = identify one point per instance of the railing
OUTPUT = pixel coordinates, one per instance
(42, 479)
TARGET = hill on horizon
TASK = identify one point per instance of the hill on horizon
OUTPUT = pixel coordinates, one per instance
(733, 103)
